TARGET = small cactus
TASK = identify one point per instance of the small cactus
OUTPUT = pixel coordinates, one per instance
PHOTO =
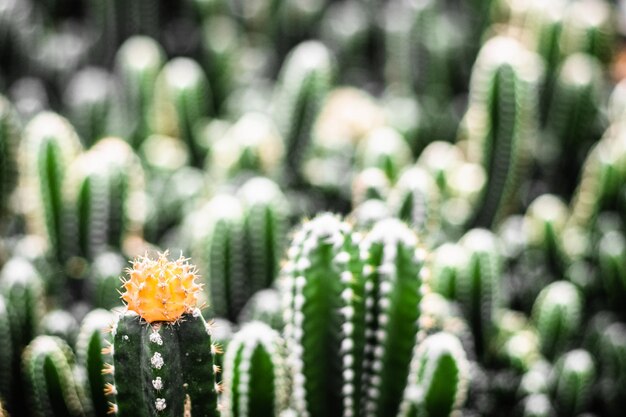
(104, 281)
(264, 306)
(386, 149)
(574, 376)
(255, 375)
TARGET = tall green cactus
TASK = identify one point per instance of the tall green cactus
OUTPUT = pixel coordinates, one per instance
(48, 147)
(574, 376)
(557, 314)
(182, 99)
(323, 303)
(478, 285)
(137, 65)
(93, 351)
(439, 378)
(304, 81)
(396, 279)
(9, 139)
(255, 373)
(48, 365)
(501, 121)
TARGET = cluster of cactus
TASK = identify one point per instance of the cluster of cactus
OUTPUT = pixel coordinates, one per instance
(400, 208)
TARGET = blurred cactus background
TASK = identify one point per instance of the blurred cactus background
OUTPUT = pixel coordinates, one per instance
(411, 208)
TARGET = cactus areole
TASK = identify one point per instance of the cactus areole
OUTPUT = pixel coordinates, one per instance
(160, 289)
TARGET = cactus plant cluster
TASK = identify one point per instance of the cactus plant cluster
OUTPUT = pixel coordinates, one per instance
(312, 208)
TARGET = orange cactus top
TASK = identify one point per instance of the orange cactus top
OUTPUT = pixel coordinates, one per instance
(160, 289)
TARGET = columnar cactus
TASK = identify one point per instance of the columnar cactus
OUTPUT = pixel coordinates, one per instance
(396, 279)
(439, 377)
(162, 352)
(574, 376)
(304, 81)
(501, 121)
(6, 352)
(48, 366)
(138, 63)
(93, 350)
(103, 278)
(612, 271)
(9, 140)
(323, 302)
(557, 314)
(446, 265)
(48, 147)
(255, 375)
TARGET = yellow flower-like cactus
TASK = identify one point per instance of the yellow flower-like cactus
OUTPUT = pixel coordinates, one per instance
(160, 289)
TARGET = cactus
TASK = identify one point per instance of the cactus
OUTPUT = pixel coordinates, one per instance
(384, 148)
(49, 146)
(501, 121)
(396, 280)
(438, 380)
(92, 351)
(48, 366)
(6, 353)
(61, 324)
(446, 265)
(611, 253)
(264, 306)
(304, 81)
(266, 214)
(537, 405)
(557, 314)
(9, 140)
(137, 65)
(574, 376)
(371, 183)
(323, 303)
(182, 98)
(589, 28)
(219, 248)
(478, 284)
(255, 375)
(103, 277)
(162, 354)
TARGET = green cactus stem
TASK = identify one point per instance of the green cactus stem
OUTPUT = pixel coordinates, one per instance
(9, 139)
(574, 376)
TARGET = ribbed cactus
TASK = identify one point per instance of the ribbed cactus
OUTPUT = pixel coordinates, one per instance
(93, 351)
(48, 366)
(439, 377)
(304, 81)
(49, 145)
(557, 314)
(479, 284)
(9, 139)
(104, 280)
(264, 306)
(255, 373)
(323, 303)
(501, 121)
(182, 99)
(574, 376)
(612, 271)
(218, 247)
(162, 352)
(396, 279)
(138, 63)
(447, 263)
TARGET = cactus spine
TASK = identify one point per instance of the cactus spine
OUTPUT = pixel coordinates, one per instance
(255, 374)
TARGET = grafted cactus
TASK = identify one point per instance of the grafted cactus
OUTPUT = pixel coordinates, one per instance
(48, 147)
(9, 140)
(304, 81)
(255, 373)
(219, 248)
(574, 376)
(265, 229)
(93, 350)
(162, 352)
(478, 285)
(396, 279)
(323, 300)
(138, 63)
(501, 121)
(48, 366)
(182, 98)
(439, 377)
(557, 314)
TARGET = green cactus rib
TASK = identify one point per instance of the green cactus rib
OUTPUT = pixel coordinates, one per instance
(49, 146)
(557, 315)
(164, 369)
(501, 121)
(323, 299)
(219, 249)
(9, 139)
(304, 81)
(48, 370)
(255, 374)
(439, 378)
(93, 351)
(478, 285)
(265, 229)
(396, 280)
(137, 65)
(6, 352)
(575, 374)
